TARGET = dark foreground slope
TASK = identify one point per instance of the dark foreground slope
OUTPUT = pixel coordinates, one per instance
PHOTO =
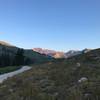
(11, 55)
(77, 78)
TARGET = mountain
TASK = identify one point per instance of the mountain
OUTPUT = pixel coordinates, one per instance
(57, 54)
(51, 53)
(44, 51)
(86, 50)
(72, 53)
(8, 53)
(5, 43)
(75, 78)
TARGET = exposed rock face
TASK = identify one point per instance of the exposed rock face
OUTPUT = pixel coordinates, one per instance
(86, 50)
(51, 53)
(44, 51)
(72, 53)
(57, 54)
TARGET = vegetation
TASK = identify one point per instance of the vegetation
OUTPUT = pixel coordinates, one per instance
(8, 69)
(9, 58)
(77, 78)
(19, 57)
(13, 56)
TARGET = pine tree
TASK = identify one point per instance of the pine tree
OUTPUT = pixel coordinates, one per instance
(19, 58)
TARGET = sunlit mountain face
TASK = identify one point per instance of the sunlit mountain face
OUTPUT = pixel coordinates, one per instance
(57, 54)
(5, 43)
(52, 53)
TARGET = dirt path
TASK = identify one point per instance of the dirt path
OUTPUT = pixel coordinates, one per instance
(11, 74)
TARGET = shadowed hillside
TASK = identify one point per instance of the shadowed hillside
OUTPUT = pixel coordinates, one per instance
(11, 56)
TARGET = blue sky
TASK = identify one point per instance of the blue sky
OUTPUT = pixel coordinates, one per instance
(53, 24)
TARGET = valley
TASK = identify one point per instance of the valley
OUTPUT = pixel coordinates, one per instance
(74, 78)
(49, 49)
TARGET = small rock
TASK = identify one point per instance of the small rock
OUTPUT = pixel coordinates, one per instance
(10, 90)
(78, 64)
(83, 79)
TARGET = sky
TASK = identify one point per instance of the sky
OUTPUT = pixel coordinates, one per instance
(54, 24)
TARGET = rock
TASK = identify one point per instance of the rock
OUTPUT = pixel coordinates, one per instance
(78, 64)
(10, 90)
(87, 95)
(83, 79)
(86, 50)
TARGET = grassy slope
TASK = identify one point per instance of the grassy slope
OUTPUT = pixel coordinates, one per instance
(37, 57)
(8, 69)
(57, 81)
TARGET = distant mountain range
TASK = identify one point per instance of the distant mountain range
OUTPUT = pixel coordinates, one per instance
(57, 54)
(36, 55)
(52, 53)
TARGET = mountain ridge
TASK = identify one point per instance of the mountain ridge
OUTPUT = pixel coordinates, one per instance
(5, 43)
(58, 54)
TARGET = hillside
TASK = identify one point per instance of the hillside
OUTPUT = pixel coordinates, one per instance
(9, 52)
(37, 57)
(5, 43)
(52, 53)
(77, 78)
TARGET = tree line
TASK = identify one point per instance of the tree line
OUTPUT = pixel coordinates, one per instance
(11, 59)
